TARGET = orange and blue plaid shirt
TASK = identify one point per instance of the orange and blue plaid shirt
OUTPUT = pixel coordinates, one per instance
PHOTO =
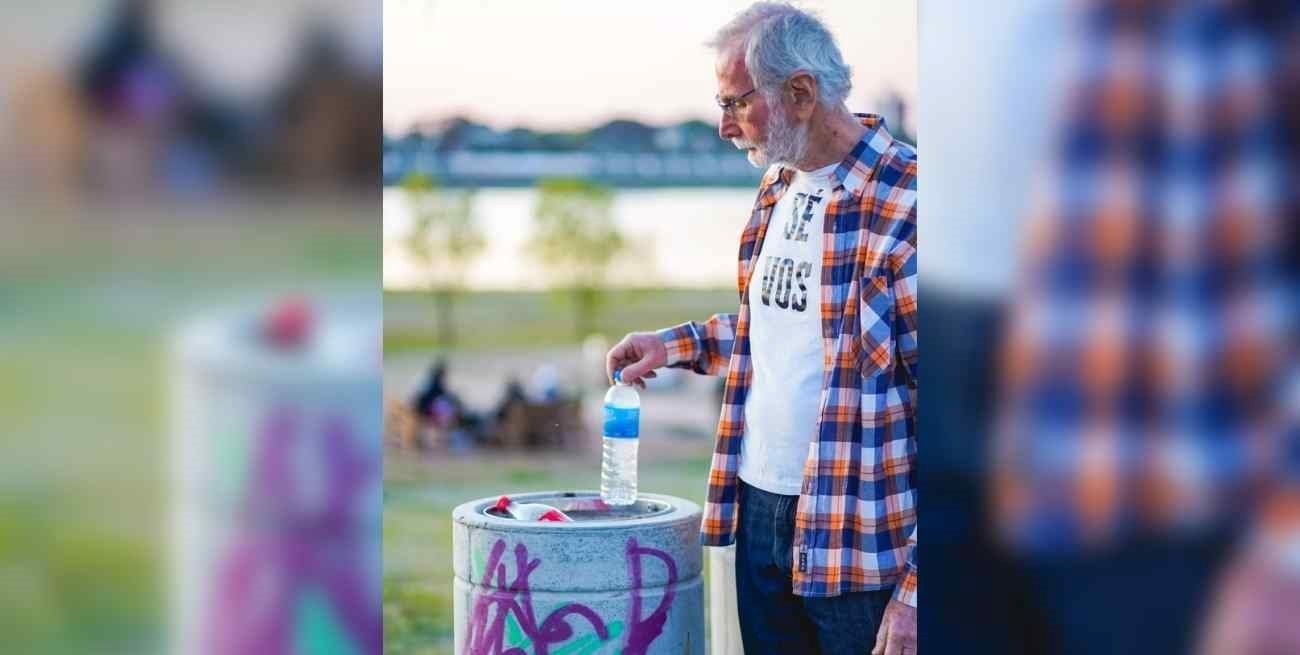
(855, 526)
(1151, 337)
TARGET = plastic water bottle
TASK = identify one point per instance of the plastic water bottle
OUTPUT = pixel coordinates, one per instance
(622, 425)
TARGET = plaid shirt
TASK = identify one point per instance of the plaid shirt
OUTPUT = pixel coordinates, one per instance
(856, 518)
(1147, 346)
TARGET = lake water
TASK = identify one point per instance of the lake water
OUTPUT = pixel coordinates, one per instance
(678, 237)
(687, 237)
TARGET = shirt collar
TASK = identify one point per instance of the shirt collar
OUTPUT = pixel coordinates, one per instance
(853, 171)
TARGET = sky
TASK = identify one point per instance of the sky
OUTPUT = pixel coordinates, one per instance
(566, 64)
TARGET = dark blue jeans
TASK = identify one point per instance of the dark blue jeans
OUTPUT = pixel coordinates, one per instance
(773, 619)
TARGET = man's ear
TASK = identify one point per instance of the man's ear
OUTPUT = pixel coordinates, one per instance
(803, 90)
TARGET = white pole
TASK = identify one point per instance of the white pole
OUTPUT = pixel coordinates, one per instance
(724, 620)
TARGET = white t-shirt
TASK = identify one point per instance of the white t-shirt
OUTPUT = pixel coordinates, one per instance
(785, 336)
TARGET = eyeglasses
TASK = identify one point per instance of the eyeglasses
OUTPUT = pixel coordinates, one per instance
(730, 106)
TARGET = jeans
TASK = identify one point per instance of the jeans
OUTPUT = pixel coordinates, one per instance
(1145, 596)
(773, 619)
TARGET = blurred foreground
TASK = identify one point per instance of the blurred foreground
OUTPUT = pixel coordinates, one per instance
(152, 174)
(1111, 421)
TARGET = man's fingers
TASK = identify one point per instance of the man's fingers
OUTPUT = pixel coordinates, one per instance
(893, 646)
(613, 358)
(637, 355)
(620, 356)
(881, 636)
(901, 637)
(640, 368)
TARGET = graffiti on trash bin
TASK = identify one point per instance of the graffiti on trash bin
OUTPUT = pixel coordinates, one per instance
(312, 564)
(510, 600)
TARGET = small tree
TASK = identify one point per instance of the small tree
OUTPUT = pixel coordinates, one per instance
(575, 238)
(443, 240)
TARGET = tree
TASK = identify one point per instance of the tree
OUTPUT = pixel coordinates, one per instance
(443, 240)
(575, 238)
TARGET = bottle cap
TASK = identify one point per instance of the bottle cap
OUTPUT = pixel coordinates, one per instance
(618, 376)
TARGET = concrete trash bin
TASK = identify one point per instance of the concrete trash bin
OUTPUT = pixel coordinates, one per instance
(615, 580)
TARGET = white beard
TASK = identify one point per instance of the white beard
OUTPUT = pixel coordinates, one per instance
(785, 145)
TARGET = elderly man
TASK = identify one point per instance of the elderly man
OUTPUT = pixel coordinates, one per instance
(813, 476)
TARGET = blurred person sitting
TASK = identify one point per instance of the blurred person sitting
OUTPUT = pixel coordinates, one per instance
(813, 476)
(433, 400)
(543, 417)
(151, 123)
(544, 387)
(437, 409)
(136, 95)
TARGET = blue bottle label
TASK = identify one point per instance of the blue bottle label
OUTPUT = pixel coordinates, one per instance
(622, 422)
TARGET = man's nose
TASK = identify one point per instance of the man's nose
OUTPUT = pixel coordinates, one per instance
(727, 127)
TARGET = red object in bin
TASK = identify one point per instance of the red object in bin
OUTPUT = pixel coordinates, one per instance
(531, 511)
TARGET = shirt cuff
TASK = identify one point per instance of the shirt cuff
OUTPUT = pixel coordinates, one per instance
(905, 591)
(681, 342)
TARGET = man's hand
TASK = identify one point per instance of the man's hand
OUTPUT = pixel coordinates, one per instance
(638, 354)
(897, 634)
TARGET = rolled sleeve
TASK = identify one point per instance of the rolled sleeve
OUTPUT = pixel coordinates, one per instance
(682, 343)
(905, 591)
(702, 347)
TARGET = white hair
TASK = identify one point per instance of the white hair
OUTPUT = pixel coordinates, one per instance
(779, 40)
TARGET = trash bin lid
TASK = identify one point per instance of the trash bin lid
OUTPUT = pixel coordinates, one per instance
(584, 507)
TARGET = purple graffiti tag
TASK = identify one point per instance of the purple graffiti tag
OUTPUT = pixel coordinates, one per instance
(643, 632)
(288, 544)
(486, 634)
